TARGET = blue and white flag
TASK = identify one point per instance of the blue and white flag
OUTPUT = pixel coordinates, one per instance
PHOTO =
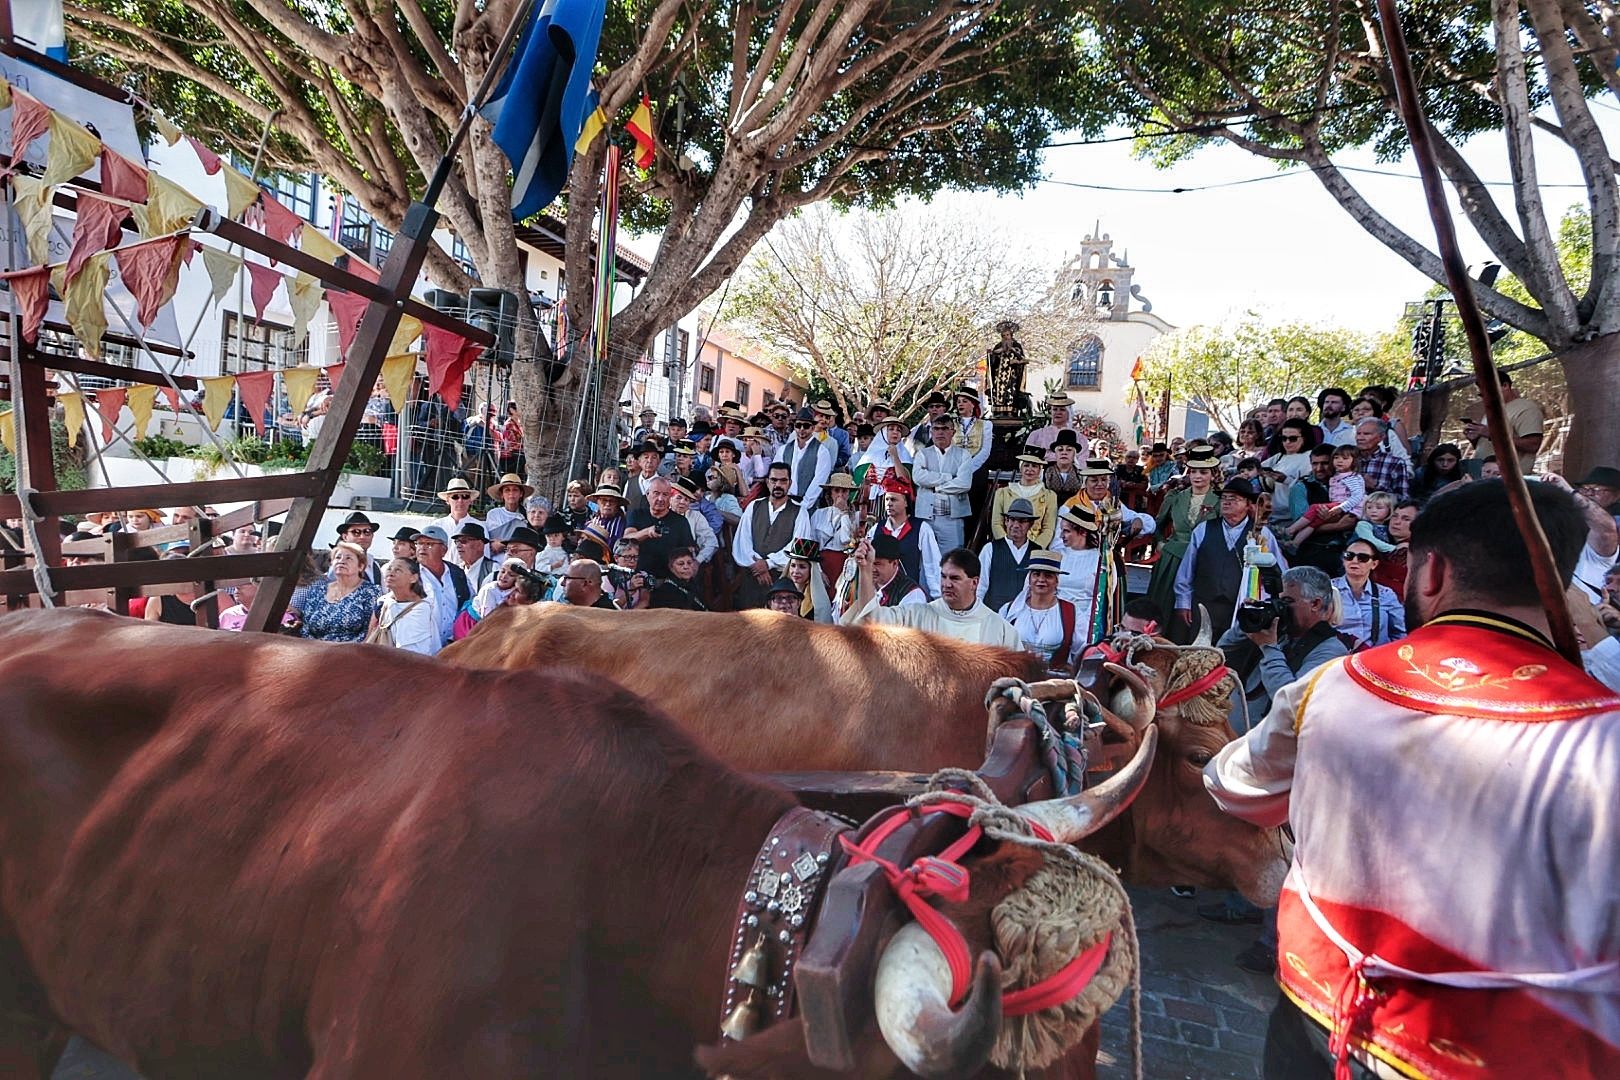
(39, 23)
(544, 97)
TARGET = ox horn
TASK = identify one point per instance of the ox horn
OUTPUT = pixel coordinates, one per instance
(1202, 641)
(912, 995)
(1072, 819)
(1144, 706)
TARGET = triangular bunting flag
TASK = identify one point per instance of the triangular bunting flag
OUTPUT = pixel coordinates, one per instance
(109, 403)
(169, 207)
(595, 121)
(84, 305)
(362, 269)
(8, 432)
(222, 267)
(299, 382)
(166, 127)
(72, 415)
(397, 372)
(72, 149)
(32, 203)
(449, 355)
(5, 92)
(405, 335)
(280, 223)
(216, 396)
(140, 406)
(314, 242)
(334, 374)
(263, 282)
(211, 162)
(150, 271)
(347, 310)
(122, 178)
(31, 293)
(304, 295)
(174, 397)
(255, 388)
(97, 227)
(29, 119)
(240, 193)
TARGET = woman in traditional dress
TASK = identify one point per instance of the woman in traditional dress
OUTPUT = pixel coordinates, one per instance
(1048, 625)
(1079, 552)
(1179, 515)
(804, 570)
(833, 524)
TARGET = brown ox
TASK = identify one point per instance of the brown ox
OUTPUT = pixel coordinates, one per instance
(769, 693)
(249, 856)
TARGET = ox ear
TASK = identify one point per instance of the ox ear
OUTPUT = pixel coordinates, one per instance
(1203, 641)
(1134, 700)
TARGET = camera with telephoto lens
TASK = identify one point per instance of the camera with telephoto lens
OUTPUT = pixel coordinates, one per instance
(547, 582)
(620, 577)
(1256, 616)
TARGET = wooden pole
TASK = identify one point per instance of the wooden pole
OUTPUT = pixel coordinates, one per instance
(1542, 565)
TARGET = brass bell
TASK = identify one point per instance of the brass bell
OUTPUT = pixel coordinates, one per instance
(741, 1021)
(753, 966)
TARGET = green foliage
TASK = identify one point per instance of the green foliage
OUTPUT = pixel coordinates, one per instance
(1230, 368)
(67, 462)
(1574, 257)
(161, 447)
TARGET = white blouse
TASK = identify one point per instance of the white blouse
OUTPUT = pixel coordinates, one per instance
(416, 630)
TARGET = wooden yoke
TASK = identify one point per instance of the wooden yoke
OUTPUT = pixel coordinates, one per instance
(837, 968)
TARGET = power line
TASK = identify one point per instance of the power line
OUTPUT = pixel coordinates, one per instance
(1299, 170)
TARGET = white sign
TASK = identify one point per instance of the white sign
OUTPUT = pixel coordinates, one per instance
(111, 121)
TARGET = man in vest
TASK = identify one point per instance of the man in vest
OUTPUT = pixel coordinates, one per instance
(1211, 573)
(809, 458)
(894, 585)
(1450, 910)
(919, 548)
(768, 526)
(1004, 562)
(943, 473)
(957, 613)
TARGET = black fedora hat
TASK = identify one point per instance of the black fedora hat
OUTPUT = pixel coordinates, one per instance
(470, 530)
(525, 535)
(356, 518)
(405, 533)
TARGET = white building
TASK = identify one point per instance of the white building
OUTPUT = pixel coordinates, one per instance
(1097, 372)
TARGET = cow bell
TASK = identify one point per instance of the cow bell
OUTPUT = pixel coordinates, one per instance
(753, 966)
(742, 1021)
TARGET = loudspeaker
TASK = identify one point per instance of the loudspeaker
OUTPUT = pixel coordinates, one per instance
(495, 310)
(443, 300)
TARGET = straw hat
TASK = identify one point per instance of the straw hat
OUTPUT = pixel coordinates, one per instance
(494, 489)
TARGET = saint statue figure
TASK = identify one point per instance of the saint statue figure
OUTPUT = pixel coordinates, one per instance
(1007, 399)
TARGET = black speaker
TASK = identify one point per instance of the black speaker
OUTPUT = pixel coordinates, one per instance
(443, 300)
(495, 310)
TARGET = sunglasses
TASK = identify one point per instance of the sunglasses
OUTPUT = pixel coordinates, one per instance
(1359, 556)
(359, 532)
(802, 426)
(458, 498)
(1292, 438)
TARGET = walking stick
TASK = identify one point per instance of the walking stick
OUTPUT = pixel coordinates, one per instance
(1542, 564)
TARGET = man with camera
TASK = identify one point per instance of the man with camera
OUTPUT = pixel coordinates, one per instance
(1276, 641)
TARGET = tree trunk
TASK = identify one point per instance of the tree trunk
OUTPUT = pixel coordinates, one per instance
(1592, 375)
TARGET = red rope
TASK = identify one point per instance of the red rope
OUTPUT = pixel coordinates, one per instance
(943, 876)
(1198, 686)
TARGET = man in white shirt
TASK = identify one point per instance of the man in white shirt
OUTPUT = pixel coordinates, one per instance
(767, 527)
(469, 554)
(1211, 573)
(1005, 561)
(943, 473)
(442, 580)
(809, 459)
(1334, 405)
(958, 613)
(458, 495)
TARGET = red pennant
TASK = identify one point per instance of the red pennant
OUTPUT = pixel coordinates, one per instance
(29, 119)
(109, 403)
(449, 355)
(255, 387)
(98, 225)
(334, 375)
(362, 269)
(122, 178)
(190, 251)
(31, 294)
(280, 223)
(173, 395)
(210, 160)
(263, 286)
(348, 309)
(150, 272)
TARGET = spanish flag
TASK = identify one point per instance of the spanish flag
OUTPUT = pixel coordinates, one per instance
(640, 128)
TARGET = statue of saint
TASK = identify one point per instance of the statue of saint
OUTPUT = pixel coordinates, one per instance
(1008, 402)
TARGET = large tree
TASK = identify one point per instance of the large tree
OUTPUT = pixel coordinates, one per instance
(763, 107)
(1299, 81)
(1229, 368)
(899, 303)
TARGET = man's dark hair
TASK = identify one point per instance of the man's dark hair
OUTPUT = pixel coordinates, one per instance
(1472, 526)
(1504, 378)
(1143, 608)
(1324, 450)
(1342, 393)
(963, 559)
(1248, 463)
(780, 465)
(1277, 401)
(1404, 503)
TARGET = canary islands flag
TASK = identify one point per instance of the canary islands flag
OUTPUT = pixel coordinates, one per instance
(543, 99)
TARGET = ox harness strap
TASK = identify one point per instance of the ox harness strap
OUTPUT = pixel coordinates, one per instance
(942, 876)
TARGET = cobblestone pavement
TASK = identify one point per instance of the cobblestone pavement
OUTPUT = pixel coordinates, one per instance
(1202, 1017)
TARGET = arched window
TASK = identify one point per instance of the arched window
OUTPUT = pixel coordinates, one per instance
(1085, 363)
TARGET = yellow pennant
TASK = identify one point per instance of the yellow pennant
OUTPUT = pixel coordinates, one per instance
(304, 295)
(33, 206)
(169, 207)
(5, 92)
(8, 432)
(140, 404)
(222, 267)
(314, 242)
(217, 395)
(240, 192)
(73, 149)
(396, 376)
(72, 415)
(166, 127)
(405, 335)
(300, 383)
(589, 130)
(82, 301)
